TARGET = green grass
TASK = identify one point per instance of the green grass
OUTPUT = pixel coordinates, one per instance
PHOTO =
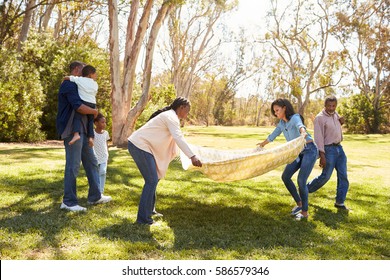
(202, 219)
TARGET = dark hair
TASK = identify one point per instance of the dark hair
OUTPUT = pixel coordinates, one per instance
(180, 101)
(87, 70)
(99, 117)
(73, 65)
(282, 102)
(330, 98)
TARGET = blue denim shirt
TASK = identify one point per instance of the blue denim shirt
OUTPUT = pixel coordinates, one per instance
(68, 100)
(290, 129)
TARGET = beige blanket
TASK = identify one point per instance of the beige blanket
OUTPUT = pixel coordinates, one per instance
(233, 165)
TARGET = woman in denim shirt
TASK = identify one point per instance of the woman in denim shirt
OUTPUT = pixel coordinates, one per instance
(291, 124)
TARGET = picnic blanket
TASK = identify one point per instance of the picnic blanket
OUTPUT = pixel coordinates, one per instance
(233, 165)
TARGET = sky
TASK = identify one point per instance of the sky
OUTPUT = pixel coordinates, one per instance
(250, 15)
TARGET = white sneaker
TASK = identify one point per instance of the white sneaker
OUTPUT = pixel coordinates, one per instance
(75, 208)
(297, 209)
(103, 199)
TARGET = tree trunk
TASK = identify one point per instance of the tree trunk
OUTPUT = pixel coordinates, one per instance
(47, 15)
(26, 23)
(135, 112)
(116, 94)
(123, 117)
(133, 49)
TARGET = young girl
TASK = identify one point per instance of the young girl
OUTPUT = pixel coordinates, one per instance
(292, 126)
(153, 147)
(101, 148)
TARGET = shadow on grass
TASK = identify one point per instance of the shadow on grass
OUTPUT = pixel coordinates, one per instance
(330, 218)
(29, 153)
(128, 231)
(203, 226)
(40, 227)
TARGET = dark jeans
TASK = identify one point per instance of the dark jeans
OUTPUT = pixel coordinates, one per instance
(335, 159)
(77, 121)
(147, 166)
(79, 152)
(305, 163)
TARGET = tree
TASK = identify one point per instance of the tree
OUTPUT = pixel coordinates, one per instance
(300, 37)
(192, 44)
(364, 32)
(125, 117)
(233, 73)
(360, 114)
(21, 99)
(26, 23)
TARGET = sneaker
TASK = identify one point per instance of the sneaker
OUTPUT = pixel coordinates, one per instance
(103, 199)
(145, 224)
(341, 206)
(75, 208)
(300, 217)
(296, 210)
(156, 214)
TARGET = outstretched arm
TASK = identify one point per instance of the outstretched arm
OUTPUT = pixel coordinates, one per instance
(262, 144)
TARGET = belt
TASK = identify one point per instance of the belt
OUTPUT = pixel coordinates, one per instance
(333, 144)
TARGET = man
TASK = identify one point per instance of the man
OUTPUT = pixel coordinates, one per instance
(69, 102)
(328, 136)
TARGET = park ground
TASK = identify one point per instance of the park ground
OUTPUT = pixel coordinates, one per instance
(203, 219)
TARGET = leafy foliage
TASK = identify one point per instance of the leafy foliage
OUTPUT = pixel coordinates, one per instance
(85, 50)
(21, 99)
(360, 114)
(161, 97)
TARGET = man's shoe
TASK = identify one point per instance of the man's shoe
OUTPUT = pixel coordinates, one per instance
(341, 206)
(145, 224)
(75, 208)
(156, 214)
(296, 210)
(103, 199)
(300, 217)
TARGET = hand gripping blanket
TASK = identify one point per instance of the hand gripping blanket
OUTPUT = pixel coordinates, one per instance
(233, 165)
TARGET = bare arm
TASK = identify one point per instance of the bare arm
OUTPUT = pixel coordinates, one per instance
(262, 144)
(85, 110)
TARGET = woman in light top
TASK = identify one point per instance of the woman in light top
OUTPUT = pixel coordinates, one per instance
(291, 124)
(153, 147)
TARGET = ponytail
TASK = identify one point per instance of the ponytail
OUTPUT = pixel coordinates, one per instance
(180, 101)
(160, 111)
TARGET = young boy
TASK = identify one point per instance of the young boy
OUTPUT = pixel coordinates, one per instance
(101, 148)
(87, 88)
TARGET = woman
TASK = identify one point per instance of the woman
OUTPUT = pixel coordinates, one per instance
(153, 147)
(292, 126)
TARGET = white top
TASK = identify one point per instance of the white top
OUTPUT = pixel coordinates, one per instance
(160, 136)
(100, 146)
(87, 88)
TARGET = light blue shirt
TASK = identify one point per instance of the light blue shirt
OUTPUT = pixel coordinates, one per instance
(290, 129)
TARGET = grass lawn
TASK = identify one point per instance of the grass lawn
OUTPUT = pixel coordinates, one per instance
(202, 219)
